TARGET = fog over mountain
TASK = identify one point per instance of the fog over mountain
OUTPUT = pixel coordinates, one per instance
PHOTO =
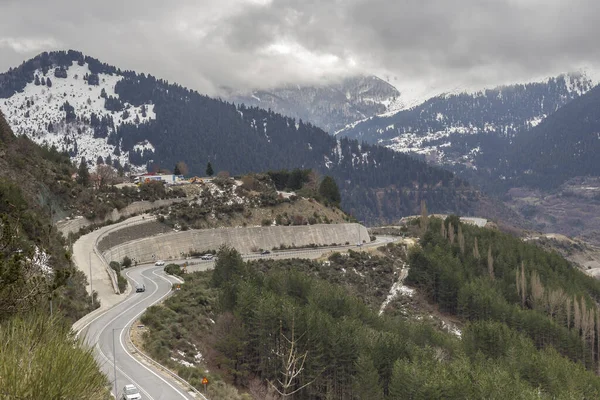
(258, 44)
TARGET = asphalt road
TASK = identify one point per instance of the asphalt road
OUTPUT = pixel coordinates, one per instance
(110, 329)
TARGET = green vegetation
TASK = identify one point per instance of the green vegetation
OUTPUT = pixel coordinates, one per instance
(174, 269)
(40, 359)
(481, 274)
(121, 280)
(270, 312)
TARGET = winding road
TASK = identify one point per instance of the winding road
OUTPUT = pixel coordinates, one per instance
(108, 327)
(109, 331)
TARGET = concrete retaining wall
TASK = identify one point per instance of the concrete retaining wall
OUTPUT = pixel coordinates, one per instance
(138, 207)
(171, 245)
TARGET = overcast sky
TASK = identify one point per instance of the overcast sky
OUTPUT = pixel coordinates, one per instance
(263, 43)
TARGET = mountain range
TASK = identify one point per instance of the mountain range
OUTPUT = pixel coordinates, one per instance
(97, 111)
(331, 105)
(451, 129)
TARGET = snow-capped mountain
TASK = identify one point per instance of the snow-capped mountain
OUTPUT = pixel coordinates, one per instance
(76, 110)
(96, 110)
(450, 128)
(330, 106)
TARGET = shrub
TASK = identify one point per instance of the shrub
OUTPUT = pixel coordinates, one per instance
(122, 282)
(116, 266)
(266, 222)
(126, 262)
(173, 269)
(39, 355)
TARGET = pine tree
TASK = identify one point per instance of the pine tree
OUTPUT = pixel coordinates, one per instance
(48, 82)
(83, 174)
(37, 81)
(366, 383)
(330, 191)
(209, 169)
(100, 160)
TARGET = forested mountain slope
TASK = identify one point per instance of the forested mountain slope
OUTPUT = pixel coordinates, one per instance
(529, 323)
(95, 110)
(455, 128)
(34, 265)
(564, 146)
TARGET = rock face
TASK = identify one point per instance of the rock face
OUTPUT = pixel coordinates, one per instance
(245, 240)
(331, 106)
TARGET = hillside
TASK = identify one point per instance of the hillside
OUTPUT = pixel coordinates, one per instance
(34, 265)
(456, 128)
(330, 106)
(141, 121)
(563, 146)
(377, 325)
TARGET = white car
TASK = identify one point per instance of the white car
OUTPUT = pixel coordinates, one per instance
(207, 257)
(130, 392)
(159, 263)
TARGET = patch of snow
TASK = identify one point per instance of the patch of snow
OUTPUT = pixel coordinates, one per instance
(144, 146)
(42, 261)
(396, 289)
(32, 111)
(183, 362)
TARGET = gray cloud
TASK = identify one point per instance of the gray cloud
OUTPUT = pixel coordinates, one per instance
(262, 43)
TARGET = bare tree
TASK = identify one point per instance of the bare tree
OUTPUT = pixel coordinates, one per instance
(424, 217)
(476, 250)
(569, 308)
(292, 364)
(576, 315)
(451, 232)
(182, 168)
(443, 231)
(461, 240)
(537, 290)
(490, 261)
(105, 175)
(555, 299)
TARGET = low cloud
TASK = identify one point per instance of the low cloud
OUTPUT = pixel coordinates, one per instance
(263, 43)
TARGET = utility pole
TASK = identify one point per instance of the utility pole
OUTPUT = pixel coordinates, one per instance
(114, 362)
(91, 288)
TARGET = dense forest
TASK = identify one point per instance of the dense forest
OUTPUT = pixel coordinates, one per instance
(497, 131)
(529, 323)
(375, 183)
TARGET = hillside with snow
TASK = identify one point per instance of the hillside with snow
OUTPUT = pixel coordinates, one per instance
(68, 110)
(331, 106)
(93, 110)
(453, 127)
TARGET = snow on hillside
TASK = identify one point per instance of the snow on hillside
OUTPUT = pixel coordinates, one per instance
(38, 107)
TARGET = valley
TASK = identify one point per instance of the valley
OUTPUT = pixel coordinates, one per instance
(375, 248)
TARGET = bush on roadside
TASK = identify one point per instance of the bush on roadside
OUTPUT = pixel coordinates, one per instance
(122, 282)
(173, 269)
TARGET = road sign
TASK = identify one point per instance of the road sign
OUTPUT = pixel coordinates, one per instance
(204, 381)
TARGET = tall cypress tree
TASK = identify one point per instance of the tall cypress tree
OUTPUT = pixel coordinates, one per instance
(209, 169)
(83, 175)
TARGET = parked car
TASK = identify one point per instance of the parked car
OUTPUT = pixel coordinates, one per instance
(264, 252)
(159, 263)
(207, 256)
(140, 288)
(130, 392)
